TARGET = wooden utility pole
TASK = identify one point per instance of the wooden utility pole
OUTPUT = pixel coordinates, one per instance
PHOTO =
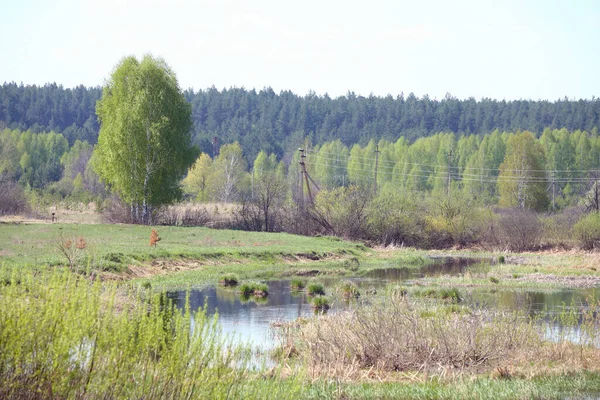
(449, 174)
(376, 166)
(306, 177)
(553, 186)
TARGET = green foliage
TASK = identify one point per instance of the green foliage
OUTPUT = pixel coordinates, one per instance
(198, 179)
(350, 290)
(342, 211)
(587, 230)
(228, 172)
(315, 289)
(228, 280)
(451, 295)
(522, 179)
(494, 280)
(144, 140)
(320, 304)
(64, 337)
(297, 284)
(254, 289)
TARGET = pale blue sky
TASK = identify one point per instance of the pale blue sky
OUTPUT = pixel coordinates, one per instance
(499, 49)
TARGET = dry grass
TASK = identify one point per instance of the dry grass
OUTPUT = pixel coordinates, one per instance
(404, 339)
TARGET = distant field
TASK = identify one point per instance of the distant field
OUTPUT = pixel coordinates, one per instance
(114, 246)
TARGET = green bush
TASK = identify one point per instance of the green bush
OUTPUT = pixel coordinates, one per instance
(587, 230)
(63, 337)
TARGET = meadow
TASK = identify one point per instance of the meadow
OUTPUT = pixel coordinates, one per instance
(63, 335)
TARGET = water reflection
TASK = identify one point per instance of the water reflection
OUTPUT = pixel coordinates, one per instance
(250, 319)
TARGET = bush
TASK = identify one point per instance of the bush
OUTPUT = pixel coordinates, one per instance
(63, 337)
(402, 336)
(519, 230)
(12, 199)
(587, 230)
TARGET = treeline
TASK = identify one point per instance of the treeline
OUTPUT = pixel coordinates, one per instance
(507, 169)
(278, 123)
(439, 191)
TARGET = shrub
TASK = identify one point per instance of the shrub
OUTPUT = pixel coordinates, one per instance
(519, 230)
(228, 280)
(501, 260)
(12, 198)
(494, 280)
(316, 289)
(63, 337)
(587, 230)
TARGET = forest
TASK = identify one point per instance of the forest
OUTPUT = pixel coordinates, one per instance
(279, 123)
(417, 171)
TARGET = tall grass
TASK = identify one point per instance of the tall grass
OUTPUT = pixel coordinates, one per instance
(64, 337)
(399, 336)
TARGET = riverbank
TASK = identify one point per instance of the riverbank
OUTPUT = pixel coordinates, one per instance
(132, 273)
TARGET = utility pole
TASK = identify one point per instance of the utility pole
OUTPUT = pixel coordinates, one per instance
(252, 183)
(376, 166)
(553, 186)
(449, 166)
(305, 174)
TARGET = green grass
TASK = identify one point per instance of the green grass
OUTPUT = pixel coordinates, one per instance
(315, 289)
(113, 247)
(320, 304)
(228, 280)
(575, 385)
(350, 290)
(297, 284)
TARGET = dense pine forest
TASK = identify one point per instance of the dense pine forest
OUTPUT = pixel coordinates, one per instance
(277, 123)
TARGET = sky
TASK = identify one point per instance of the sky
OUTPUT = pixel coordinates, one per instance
(473, 48)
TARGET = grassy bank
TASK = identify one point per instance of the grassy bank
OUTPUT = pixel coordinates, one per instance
(114, 247)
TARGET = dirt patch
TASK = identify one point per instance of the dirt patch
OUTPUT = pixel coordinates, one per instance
(6, 253)
(579, 281)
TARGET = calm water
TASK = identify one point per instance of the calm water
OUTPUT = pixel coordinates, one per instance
(250, 320)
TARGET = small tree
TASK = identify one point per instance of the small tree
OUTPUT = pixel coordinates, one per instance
(72, 249)
(154, 238)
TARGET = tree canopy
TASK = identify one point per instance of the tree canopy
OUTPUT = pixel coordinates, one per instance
(144, 145)
(278, 122)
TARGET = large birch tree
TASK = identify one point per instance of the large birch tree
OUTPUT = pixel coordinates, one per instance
(145, 135)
